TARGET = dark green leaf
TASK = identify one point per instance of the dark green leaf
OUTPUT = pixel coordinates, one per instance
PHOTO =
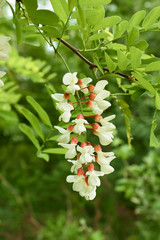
(29, 133)
(55, 150)
(51, 32)
(60, 9)
(42, 114)
(31, 6)
(33, 121)
(46, 17)
(144, 83)
(137, 94)
(45, 156)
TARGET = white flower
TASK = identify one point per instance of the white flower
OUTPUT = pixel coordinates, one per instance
(104, 159)
(59, 97)
(85, 82)
(76, 165)
(99, 104)
(86, 154)
(71, 153)
(70, 79)
(105, 121)
(79, 127)
(100, 85)
(78, 182)
(66, 108)
(65, 138)
(89, 192)
(105, 137)
(93, 178)
(4, 48)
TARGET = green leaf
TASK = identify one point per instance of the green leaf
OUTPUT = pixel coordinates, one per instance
(144, 83)
(154, 66)
(137, 94)
(45, 156)
(42, 114)
(127, 117)
(109, 62)
(91, 3)
(81, 15)
(55, 150)
(133, 35)
(135, 57)
(151, 18)
(17, 24)
(51, 32)
(29, 133)
(60, 8)
(122, 60)
(153, 140)
(46, 17)
(157, 101)
(93, 16)
(121, 28)
(33, 121)
(136, 19)
(98, 36)
(31, 6)
(107, 22)
(142, 45)
(71, 4)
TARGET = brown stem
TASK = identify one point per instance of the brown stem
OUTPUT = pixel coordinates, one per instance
(91, 65)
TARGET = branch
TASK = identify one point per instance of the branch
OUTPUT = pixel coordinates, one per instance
(91, 65)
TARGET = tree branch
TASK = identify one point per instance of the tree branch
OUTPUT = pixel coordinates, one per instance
(91, 65)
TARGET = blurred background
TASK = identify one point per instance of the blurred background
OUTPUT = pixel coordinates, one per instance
(36, 203)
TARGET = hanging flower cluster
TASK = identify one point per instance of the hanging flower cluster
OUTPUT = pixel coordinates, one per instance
(89, 124)
(4, 48)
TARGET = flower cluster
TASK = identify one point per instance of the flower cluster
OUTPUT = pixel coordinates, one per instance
(88, 160)
(4, 49)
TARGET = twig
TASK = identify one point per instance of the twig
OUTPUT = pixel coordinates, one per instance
(91, 64)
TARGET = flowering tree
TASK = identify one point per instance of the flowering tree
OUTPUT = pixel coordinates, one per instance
(115, 52)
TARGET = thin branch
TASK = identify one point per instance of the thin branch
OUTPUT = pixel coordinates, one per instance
(91, 65)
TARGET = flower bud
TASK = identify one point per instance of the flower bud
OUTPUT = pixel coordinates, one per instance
(80, 172)
(91, 88)
(70, 127)
(90, 167)
(74, 140)
(80, 83)
(89, 104)
(67, 96)
(97, 118)
(95, 126)
(89, 144)
(83, 144)
(97, 148)
(92, 96)
(80, 116)
(70, 103)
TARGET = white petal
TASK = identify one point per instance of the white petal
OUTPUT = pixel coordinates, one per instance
(70, 78)
(58, 97)
(100, 86)
(107, 169)
(1, 83)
